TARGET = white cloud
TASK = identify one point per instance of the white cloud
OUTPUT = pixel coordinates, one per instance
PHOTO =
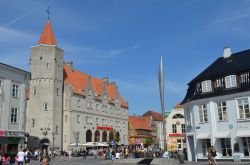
(9, 35)
(93, 55)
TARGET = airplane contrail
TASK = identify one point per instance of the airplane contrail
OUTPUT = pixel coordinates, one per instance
(24, 15)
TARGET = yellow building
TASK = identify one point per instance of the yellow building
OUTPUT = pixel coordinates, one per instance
(175, 126)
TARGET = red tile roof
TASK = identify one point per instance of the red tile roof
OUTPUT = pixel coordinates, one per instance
(140, 122)
(47, 36)
(156, 115)
(79, 82)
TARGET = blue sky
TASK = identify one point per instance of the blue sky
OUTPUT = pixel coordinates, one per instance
(123, 40)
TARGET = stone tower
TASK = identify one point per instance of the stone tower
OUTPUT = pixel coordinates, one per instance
(44, 109)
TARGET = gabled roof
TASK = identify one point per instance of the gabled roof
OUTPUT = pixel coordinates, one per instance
(47, 36)
(140, 122)
(80, 80)
(235, 64)
(156, 115)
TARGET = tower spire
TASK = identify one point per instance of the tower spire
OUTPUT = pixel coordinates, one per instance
(48, 12)
(47, 36)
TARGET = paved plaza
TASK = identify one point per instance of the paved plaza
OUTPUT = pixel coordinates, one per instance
(90, 161)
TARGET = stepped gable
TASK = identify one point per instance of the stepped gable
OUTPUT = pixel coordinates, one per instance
(79, 82)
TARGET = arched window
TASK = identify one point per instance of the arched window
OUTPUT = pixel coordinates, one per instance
(97, 136)
(178, 116)
(111, 136)
(117, 137)
(104, 136)
(88, 136)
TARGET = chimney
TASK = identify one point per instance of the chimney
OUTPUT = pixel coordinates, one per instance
(227, 52)
(105, 79)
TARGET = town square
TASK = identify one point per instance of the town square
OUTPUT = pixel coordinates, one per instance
(124, 82)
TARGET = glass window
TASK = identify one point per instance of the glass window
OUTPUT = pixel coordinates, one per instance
(222, 111)
(88, 105)
(15, 90)
(78, 102)
(89, 92)
(13, 116)
(243, 108)
(226, 147)
(203, 114)
(205, 145)
(34, 91)
(246, 146)
(183, 128)
(230, 81)
(78, 118)
(45, 106)
(174, 130)
(206, 86)
(178, 116)
(97, 107)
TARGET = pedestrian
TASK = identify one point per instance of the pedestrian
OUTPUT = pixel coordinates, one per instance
(12, 157)
(84, 154)
(27, 157)
(213, 153)
(5, 159)
(1, 157)
(20, 156)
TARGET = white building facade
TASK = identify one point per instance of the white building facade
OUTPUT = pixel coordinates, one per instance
(13, 86)
(217, 109)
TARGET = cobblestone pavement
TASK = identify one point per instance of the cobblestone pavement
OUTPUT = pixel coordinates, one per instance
(91, 161)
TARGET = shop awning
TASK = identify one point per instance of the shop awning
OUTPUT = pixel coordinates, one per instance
(243, 133)
(222, 134)
(203, 135)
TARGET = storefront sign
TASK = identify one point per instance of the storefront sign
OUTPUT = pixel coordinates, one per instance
(104, 128)
(176, 134)
(14, 134)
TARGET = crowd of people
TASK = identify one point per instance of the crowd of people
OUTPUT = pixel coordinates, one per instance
(23, 157)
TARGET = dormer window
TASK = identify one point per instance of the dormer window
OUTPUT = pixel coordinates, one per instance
(89, 92)
(206, 86)
(230, 81)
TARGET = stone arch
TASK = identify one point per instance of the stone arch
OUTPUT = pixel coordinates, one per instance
(88, 136)
(104, 136)
(117, 137)
(97, 136)
(111, 136)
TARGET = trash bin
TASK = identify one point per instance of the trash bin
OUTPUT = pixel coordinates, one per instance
(236, 158)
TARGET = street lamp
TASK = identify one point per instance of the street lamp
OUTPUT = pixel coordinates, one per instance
(53, 142)
(45, 131)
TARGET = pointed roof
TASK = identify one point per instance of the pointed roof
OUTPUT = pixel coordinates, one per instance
(47, 36)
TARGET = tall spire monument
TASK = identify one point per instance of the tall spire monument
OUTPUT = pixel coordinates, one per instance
(44, 109)
(161, 88)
